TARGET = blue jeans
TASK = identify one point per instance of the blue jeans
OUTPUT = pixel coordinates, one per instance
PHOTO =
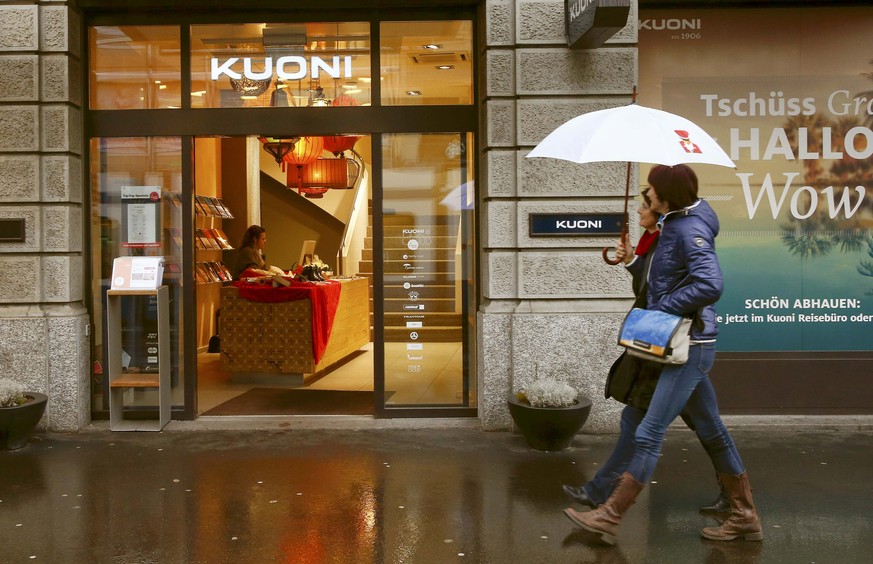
(685, 386)
(701, 416)
(600, 487)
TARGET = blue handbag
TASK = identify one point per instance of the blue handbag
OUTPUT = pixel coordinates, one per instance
(656, 336)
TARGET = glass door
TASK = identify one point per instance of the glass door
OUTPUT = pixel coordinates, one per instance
(427, 248)
(137, 210)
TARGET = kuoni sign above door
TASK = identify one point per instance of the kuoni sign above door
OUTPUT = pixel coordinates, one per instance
(575, 224)
(591, 22)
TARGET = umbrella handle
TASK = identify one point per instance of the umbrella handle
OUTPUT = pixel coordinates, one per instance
(608, 260)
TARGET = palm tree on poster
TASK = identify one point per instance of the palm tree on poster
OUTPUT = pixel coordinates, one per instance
(814, 125)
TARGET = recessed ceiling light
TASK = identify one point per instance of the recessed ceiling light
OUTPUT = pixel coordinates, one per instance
(432, 46)
(413, 92)
(445, 67)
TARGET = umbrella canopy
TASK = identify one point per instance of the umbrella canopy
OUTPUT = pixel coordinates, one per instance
(632, 133)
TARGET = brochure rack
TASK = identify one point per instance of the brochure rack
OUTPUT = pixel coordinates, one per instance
(119, 382)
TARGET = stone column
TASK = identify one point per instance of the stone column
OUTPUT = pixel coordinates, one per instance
(43, 320)
(551, 305)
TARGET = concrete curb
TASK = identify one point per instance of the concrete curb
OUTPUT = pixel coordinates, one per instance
(354, 422)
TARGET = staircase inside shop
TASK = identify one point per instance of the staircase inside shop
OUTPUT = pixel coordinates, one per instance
(423, 278)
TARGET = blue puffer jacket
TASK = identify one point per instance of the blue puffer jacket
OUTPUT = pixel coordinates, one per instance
(685, 276)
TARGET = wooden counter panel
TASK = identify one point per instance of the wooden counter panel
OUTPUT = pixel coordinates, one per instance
(276, 338)
(351, 326)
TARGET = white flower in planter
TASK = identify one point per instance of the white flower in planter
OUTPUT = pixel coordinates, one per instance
(11, 393)
(549, 392)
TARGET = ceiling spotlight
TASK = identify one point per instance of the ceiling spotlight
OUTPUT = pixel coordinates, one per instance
(445, 67)
(413, 92)
(432, 46)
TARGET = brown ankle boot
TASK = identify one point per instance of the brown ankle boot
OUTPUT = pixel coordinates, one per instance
(605, 520)
(743, 520)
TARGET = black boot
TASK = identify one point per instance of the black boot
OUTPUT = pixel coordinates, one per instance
(719, 509)
(579, 494)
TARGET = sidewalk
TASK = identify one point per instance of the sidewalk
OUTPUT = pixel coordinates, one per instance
(431, 495)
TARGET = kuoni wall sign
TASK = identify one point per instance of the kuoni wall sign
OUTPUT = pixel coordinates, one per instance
(591, 22)
(575, 224)
(291, 67)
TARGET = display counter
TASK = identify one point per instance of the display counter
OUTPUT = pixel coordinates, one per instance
(282, 337)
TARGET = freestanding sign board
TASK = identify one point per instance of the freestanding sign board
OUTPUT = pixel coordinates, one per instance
(591, 22)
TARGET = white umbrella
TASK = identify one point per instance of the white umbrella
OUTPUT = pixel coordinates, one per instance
(631, 133)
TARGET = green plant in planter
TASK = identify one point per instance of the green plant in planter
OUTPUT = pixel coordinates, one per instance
(11, 393)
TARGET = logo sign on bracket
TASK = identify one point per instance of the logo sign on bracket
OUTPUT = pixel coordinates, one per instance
(591, 22)
(575, 224)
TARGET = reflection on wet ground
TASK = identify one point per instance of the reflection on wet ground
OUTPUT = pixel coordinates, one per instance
(411, 495)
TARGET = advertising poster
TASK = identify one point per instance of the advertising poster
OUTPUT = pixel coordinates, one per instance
(788, 93)
(141, 216)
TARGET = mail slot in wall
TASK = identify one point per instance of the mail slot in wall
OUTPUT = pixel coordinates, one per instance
(12, 230)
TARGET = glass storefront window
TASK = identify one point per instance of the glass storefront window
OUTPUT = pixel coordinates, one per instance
(122, 169)
(427, 63)
(134, 67)
(427, 206)
(280, 65)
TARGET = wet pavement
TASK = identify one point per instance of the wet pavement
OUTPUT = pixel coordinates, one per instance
(430, 495)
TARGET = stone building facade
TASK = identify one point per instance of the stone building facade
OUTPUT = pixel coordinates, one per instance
(43, 319)
(549, 305)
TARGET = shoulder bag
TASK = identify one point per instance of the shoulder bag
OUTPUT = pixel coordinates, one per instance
(656, 336)
(632, 381)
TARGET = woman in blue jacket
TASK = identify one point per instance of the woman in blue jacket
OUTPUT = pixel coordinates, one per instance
(684, 279)
(596, 491)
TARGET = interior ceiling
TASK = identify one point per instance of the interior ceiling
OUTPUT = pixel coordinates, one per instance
(392, 4)
(214, 5)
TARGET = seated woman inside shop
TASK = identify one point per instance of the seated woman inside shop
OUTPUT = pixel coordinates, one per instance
(250, 254)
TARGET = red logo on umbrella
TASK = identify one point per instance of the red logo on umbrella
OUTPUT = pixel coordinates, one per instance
(686, 143)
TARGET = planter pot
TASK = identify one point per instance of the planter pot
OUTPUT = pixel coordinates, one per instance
(17, 423)
(549, 428)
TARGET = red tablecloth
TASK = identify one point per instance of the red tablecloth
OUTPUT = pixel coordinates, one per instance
(324, 297)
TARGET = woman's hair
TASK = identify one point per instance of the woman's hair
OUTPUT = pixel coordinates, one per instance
(252, 234)
(645, 194)
(675, 185)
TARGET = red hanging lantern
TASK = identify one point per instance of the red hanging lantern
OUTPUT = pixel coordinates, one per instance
(306, 150)
(344, 100)
(324, 173)
(338, 144)
(313, 193)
